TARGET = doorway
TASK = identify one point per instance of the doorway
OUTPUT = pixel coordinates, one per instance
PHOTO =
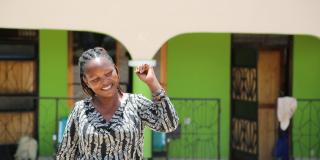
(260, 74)
(270, 71)
(18, 82)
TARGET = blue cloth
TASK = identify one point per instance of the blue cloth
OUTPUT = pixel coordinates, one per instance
(158, 141)
(62, 125)
(282, 146)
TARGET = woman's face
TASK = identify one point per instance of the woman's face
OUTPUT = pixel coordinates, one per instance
(101, 76)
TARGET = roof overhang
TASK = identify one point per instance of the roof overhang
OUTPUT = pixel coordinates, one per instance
(144, 25)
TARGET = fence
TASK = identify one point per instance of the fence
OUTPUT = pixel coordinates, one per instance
(29, 115)
(198, 135)
(306, 129)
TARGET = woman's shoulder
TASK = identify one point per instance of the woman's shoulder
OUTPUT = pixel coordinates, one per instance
(135, 96)
(83, 103)
(139, 99)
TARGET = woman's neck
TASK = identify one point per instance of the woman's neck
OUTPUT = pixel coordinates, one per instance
(108, 102)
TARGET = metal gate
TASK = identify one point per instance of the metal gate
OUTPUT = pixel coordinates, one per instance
(306, 130)
(198, 134)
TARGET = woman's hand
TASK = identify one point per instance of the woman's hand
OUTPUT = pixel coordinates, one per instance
(146, 74)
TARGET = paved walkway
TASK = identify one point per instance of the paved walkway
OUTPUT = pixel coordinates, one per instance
(45, 158)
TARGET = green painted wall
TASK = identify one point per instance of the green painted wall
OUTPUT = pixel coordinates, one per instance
(306, 78)
(306, 67)
(199, 66)
(140, 87)
(53, 53)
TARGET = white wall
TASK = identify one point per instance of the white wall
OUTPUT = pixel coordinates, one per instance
(144, 25)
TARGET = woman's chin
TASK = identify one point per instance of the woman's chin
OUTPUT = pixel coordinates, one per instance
(107, 94)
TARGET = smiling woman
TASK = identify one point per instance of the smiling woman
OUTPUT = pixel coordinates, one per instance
(110, 123)
(97, 70)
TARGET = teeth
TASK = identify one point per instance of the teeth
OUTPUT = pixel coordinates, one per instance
(108, 87)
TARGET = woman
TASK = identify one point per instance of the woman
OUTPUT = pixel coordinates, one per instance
(109, 124)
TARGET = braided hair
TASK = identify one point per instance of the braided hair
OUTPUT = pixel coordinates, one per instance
(88, 55)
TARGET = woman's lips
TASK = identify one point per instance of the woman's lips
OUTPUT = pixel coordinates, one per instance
(107, 87)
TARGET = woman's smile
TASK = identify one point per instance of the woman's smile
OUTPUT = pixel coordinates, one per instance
(106, 88)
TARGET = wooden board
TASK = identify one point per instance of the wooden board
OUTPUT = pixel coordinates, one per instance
(267, 132)
(163, 65)
(269, 69)
(17, 76)
(14, 125)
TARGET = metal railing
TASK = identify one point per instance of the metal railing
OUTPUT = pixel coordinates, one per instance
(45, 112)
(198, 135)
(306, 129)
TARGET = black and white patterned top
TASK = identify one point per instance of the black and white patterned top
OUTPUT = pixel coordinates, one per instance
(89, 136)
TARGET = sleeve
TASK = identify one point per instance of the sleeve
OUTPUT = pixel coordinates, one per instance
(68, 148)
(159, 115)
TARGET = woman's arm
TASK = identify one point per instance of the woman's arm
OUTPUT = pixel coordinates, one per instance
(158, 114)
(68, 148)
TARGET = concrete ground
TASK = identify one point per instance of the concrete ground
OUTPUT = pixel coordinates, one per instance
(45, 158)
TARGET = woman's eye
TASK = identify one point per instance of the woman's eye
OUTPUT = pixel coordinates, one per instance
(108, 74)
(95, 80)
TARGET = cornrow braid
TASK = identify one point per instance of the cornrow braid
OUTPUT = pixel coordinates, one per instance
(88, 55)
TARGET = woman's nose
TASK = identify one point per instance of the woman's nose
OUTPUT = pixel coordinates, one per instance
(105, 79)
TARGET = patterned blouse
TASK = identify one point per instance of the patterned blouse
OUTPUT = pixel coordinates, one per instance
(89, 136)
